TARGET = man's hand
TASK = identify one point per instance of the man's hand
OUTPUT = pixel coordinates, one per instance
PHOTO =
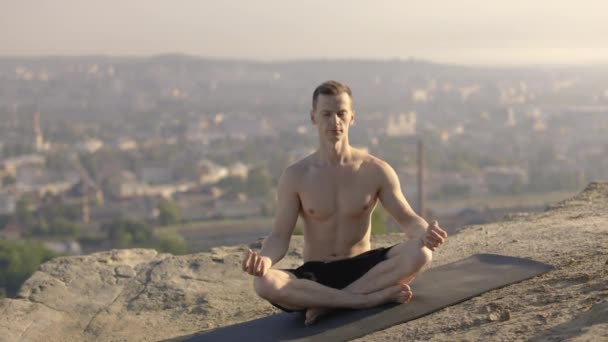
(255, 264)
(434, 236)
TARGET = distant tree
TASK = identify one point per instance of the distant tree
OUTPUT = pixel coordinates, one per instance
(259, 182)
(41, 228)
(58, 161)
(89, 162)
(128, 233)
(8, 180)
(4, 220)
(168, 212)
(378, 220)
(18, 261)
(170, 242)
(23, 211)
(62, 227)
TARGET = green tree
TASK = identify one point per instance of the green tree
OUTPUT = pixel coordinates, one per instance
(170, 242)
(18, 261)
(23, 210)
(259, 182)
(62, 227)
(128, 233)
(8, 180)
(168, 212)
(378, 221)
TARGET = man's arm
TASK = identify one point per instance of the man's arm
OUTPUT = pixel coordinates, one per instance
(396, 205)
(394, 202)
(276, 244)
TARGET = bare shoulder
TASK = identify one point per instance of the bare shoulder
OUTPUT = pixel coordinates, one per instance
(294, 172)
(374, 164)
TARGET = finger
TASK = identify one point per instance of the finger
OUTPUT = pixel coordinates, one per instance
(431, 240)
(441, 232)
(247, 261)
(435, 227)
(258, 266)
(263, 268)
(435, 236)
(251, 267)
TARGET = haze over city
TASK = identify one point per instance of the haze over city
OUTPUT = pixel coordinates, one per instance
(463, 32)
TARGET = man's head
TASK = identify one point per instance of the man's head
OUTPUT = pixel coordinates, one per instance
(332, 110)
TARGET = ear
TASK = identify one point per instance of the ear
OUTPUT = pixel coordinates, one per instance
(352, 119)
(312, 117)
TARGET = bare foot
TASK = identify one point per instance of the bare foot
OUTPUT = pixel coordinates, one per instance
(313, 314)
(401, 293)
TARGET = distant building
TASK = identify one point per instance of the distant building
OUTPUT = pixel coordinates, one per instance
(137, 189)
(126, 144)
(71, 247)
(90, 145)
(238, 169)
(238, 208)
(420, 96)
(156, 175)
(403, 124)
(197, 203)
(12, 164)
(210, 172)
(8, 202)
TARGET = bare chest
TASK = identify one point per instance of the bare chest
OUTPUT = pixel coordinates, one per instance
(346, 195)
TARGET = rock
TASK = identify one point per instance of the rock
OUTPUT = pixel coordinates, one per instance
(217, 259)
(124, 271)
(502, 316)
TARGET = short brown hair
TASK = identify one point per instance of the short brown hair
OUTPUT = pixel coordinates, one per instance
(330, 88)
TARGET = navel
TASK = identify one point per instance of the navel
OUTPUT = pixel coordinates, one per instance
(310, 211)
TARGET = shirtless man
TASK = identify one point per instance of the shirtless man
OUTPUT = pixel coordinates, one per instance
(335, 190)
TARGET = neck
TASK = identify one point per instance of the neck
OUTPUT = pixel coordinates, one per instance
(334, 152)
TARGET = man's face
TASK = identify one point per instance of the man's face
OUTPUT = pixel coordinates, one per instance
(333, 116)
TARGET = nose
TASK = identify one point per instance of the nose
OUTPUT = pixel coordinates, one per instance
(333, 119)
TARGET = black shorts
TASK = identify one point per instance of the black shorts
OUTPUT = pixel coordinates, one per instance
(340, 273)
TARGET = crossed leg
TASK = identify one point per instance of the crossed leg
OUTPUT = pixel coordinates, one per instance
(385, 282)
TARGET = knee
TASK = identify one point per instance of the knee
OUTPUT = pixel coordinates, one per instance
(266, 287)
(419, 258)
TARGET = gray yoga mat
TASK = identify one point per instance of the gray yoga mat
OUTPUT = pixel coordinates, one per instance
(433, 290)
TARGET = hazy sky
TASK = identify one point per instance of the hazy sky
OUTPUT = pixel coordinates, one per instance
(457, 31)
